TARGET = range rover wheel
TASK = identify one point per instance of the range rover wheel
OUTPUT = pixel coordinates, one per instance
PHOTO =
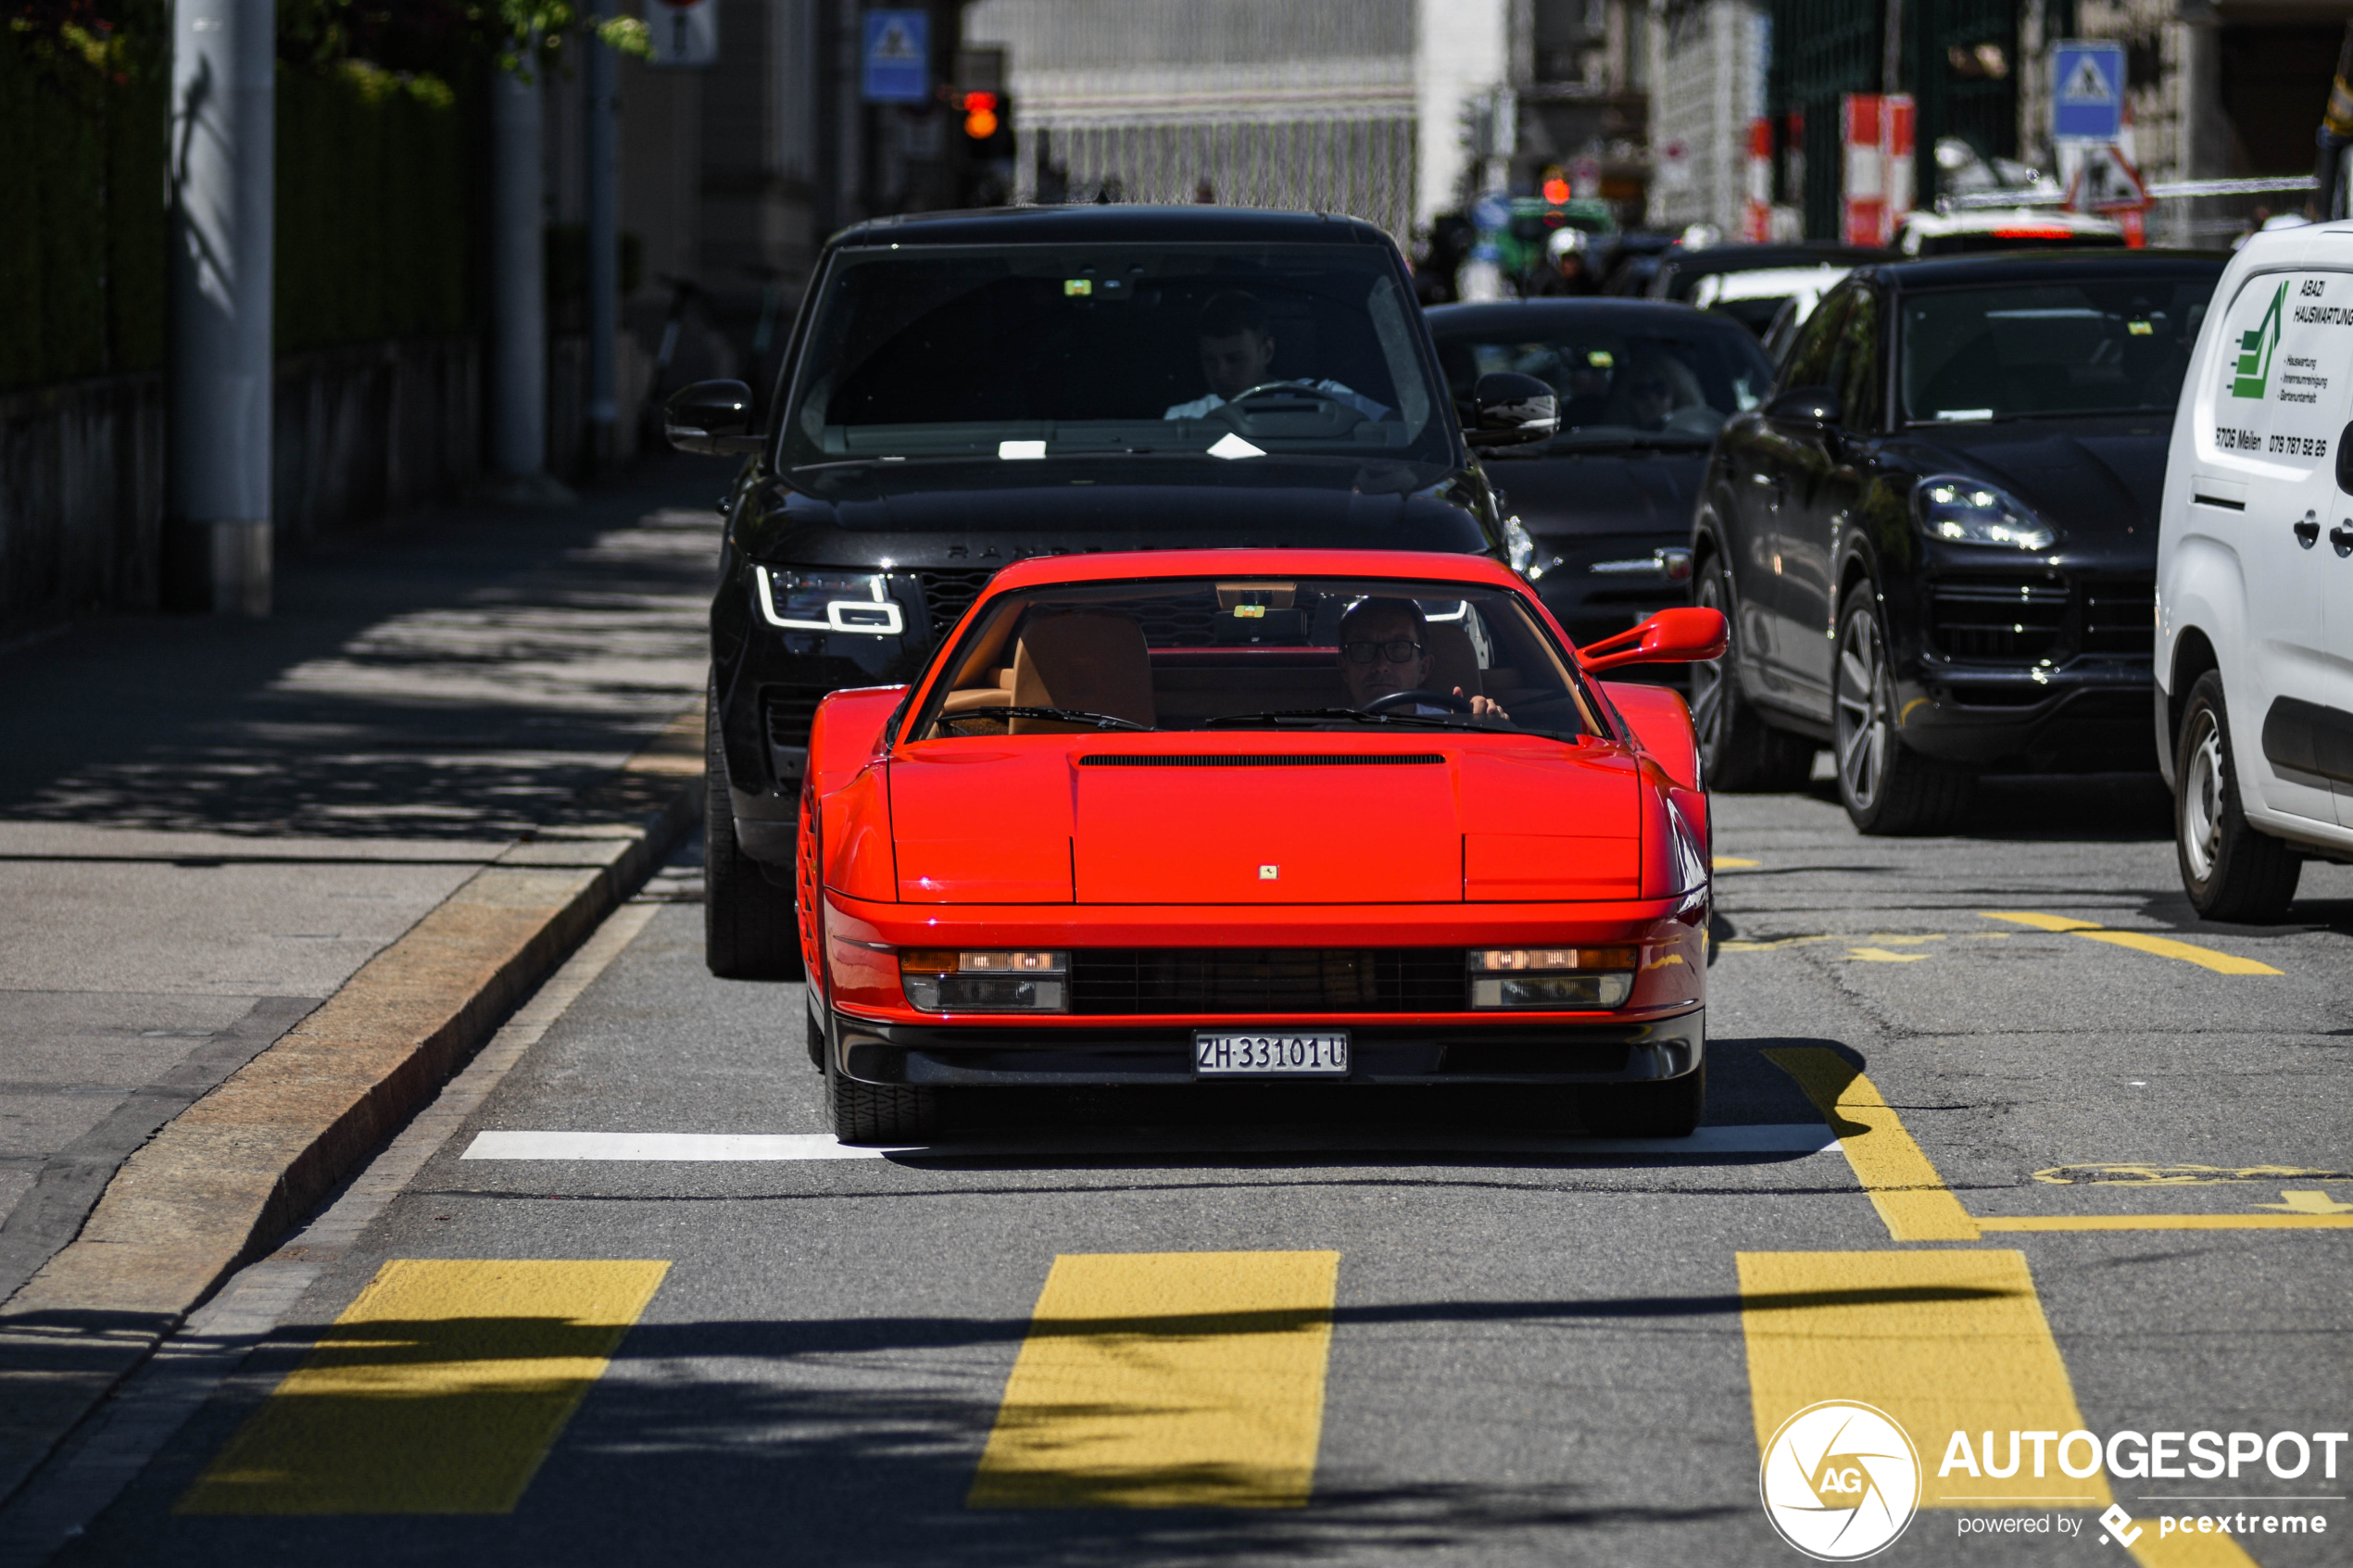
(881, 1112)
(1885, 785)
(749, 931)
(1737, 750)
(2231, 869)
(1668, 1109)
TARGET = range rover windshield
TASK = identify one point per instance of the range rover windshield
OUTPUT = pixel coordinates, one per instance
(1255, 654)
(1015, 351)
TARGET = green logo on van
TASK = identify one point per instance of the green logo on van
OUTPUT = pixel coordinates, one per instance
(2254, 370)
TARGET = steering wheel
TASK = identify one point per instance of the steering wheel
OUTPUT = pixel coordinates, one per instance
(1233, 411)
(1446, 700)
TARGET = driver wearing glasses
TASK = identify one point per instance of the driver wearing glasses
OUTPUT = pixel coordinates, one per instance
(1237, 344)
(1385, 662)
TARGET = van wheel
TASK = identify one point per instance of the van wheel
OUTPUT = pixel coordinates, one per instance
(1669, 1108)
(1885, 785)
(1738, 751)
(2231, 869)
(749, 929)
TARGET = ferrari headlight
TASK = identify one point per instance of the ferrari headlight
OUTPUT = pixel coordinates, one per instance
(828, 601)
(947, 981)
(1962, 511)
(1577, 978)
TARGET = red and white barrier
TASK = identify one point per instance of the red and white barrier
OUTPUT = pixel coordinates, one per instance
(1875, 131)
(1756, 209)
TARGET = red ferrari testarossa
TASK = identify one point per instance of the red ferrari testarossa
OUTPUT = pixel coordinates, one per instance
(1183, 817)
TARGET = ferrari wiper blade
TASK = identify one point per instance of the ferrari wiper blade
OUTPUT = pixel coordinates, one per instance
(1064, 715)
(1277, 719)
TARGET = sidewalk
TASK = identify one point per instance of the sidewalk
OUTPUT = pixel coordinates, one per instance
(208, 826)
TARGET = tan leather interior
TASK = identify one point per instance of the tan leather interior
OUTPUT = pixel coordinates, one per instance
(1094, 660)
(1454, 662)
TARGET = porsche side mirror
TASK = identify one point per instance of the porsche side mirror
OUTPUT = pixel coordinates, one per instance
(1508, 409)
(1806, 406)
(712, 417)
(1672, 636)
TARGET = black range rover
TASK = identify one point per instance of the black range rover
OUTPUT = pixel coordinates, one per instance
(1937, 540)
(966, 389)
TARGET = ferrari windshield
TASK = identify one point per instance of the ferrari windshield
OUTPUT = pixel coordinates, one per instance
(1621, 383)
(1016, 352)
(1250, 653)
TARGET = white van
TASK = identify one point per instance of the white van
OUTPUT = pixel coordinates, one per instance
(2255, 579)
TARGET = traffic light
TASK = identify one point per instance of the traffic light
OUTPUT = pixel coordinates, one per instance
(1557, 189)
(980, 116)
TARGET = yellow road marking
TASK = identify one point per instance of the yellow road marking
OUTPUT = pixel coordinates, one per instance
(1881, 955)
(2164, 1222)
(1734, 863)
(1902, 1181)
(2131, 1175)
(1166, 1380)
(2310, 1202)
(2139, 941)
(1767, 946)
(1943, 1342)
(438, 1391)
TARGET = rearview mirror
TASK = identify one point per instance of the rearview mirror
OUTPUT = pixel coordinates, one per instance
(712, 417)
(1508, 409)
(1806, 406)
(1672, 636)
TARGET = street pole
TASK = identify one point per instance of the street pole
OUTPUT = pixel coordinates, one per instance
(604, 236)
(222, 157)
(519, 293)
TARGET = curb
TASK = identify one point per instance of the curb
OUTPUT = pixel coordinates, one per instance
(219, 1183)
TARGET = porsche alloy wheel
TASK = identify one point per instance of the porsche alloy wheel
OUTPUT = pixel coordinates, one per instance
(2229, 869)
(1737, 750)
(1885, 785)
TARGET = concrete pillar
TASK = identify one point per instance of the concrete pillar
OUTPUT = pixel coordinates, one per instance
(603, 221)
(518, 391)
(223, 160)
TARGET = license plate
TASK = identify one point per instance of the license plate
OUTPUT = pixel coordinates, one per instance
(1313, 1053)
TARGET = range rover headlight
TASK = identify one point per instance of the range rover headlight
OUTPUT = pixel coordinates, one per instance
(1963, 511)
(945, 980)
(1573, 978)
(828, 601)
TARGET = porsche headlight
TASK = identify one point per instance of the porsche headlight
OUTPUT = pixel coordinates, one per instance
(1962, 511)
(828, 601)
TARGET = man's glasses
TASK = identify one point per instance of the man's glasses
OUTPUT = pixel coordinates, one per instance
(1402, 651)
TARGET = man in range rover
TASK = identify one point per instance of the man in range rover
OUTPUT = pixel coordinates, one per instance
(966, 389)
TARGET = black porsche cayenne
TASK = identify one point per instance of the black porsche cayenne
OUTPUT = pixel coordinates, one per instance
(963, 390)
(1937, 539)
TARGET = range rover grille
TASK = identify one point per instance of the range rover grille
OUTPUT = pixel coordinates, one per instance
(1211, 980)
(789, 711)
(947, 592)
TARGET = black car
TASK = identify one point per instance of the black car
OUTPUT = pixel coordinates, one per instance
(1937, 540)
(1679, 269)
(963, 390)
(1644, 388)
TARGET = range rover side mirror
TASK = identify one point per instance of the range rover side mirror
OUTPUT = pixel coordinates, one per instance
(1508, 409)
(2345, 460)
(1806, 406)
(712, 417)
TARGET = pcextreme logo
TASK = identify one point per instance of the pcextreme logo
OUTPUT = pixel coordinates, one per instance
(1840, 1481)
(2253, 371)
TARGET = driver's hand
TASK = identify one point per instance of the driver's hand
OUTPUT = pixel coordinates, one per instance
(1485, 708)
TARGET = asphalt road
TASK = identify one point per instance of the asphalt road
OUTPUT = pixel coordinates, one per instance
(1420, 1333)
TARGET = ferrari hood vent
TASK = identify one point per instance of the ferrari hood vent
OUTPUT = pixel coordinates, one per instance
(1267, 760)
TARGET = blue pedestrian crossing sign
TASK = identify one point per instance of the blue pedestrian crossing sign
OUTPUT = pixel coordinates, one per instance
(898, 57)
(2087, 91)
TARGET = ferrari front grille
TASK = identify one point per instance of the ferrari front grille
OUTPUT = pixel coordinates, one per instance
(1214, 980)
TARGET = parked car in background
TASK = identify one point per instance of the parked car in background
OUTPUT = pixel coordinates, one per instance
(1756, 298)
(1210, 818)
(1681, 270)
(1937, 539)
(2254, 703)
(1644, 387)
(2005, 229)
(963, 390)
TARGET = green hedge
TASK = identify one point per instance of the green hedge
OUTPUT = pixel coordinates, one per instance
(374, 206)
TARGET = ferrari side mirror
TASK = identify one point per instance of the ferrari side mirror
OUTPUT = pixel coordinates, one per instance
(1672, 636)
